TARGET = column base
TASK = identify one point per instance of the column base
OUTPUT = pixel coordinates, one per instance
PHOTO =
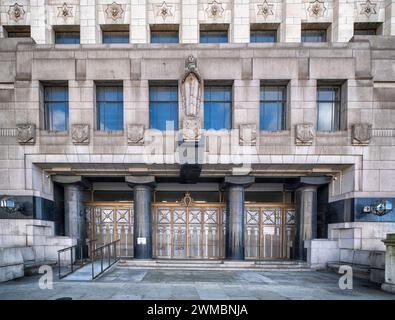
(388, 287)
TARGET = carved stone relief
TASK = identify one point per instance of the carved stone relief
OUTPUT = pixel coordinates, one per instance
(26, 133)
(247, 134)
(135, 134)
(214, 10)
(65, 11)
(368, 8)
(265, 9)
(114, 11)
(304, 134)
(316, 9)
(164, 10)
(361, 133)
(16, 12)
(80, 133)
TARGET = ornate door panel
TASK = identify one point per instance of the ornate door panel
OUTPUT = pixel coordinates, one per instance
(269, 231)
(107, 222)
(194, 231)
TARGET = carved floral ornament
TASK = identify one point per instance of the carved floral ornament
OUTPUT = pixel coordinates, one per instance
(164, 10)
(265, 9)
(65, 11)
(16, 12)
(316, 9)
(215, 10)
(114, 11)
(368, 8)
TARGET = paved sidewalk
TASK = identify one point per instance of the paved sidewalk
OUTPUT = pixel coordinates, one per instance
(125, 284)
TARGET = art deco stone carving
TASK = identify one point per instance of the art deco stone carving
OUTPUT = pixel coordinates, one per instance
(304, 134)
(135, 134)
(247, 134)
(114, 11)
(215, 10)
(65, 11)
(80, 133)
(316, 9)
(16, 12)
(26, 133)
(164, 10)
(361, 133)
(191, 95)
(265, 9)
(368, 8)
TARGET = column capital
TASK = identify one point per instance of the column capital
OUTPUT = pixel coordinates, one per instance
(133, 181)
(77, 181)
(242, 181)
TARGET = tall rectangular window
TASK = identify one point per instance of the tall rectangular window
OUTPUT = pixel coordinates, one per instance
(313, 35)
(109, 107)
(257, 36)
(163, 106)
(164, 36)
(71, 37)
(56, 107)
(217, 107)
(328, 108)
(273, 100)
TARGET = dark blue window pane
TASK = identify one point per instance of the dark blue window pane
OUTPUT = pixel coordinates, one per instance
(217, 107)
(109, 101)
(115, 37)
(313, 35)
(365, 32)
(263, 36)
(163, 107)
(214, 36)
(56, 106)
(328, 108)
(67, 37)
(272, 108)
(164, 37)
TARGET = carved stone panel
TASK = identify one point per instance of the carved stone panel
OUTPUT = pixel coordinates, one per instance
(361, 133)
(191, 128)
(247, 134)
(80, 133)
(135, 133)
(26, 133)
(114, 11)
(304, 134)
(16, 12)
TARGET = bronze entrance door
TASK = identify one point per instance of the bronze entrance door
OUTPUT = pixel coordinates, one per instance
(269, 231)
(109, 221)
(193, 231)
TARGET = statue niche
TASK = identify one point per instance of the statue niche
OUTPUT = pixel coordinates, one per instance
(191, 92)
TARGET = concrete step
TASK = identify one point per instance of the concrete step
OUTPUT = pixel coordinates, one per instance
(359, 271)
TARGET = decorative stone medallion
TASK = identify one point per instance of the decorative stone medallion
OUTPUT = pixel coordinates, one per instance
(361, 133)
(26, 133)
(247, 134)
(135, 134)
(80, 133)
(316, 9)
(265, 9)
(191, 128)
(368, 8)
(164, 10)
(65, 11)
(16, 12)
(215, 10)
(114, 11)
(304, 134)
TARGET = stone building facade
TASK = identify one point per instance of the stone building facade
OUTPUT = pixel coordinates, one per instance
(311, 186)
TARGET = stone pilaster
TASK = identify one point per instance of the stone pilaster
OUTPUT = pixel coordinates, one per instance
(306, 219)
(189, 30)
(290, 29)
(343, 20)
(74, 212)
(138, 22)
(89, 29)
(234, 247)
(142, 190)
(389, 284)
(38, 29)
(389, 22)
(241, 21)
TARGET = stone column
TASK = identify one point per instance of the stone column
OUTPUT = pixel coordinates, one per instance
(306, 219)
(142, 189)
(234, 246)
(389, 284)
(74, 212)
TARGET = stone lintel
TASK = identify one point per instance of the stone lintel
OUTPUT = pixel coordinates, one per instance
(140, 180)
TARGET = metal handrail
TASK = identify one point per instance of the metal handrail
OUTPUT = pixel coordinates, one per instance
(73, 266)
(100, 251)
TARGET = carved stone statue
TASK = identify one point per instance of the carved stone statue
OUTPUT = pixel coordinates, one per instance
(191, 93)
(26, 133)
